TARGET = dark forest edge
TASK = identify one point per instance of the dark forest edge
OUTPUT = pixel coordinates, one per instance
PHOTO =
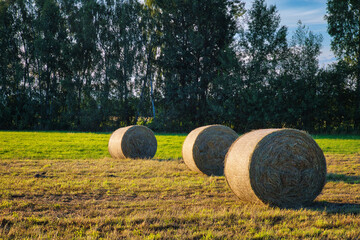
(172, 65)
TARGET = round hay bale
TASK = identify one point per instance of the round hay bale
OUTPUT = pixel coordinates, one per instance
(132, 142)
(204, 149)
(279, 167)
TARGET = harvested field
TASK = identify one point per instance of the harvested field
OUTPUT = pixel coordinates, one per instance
(109, 198)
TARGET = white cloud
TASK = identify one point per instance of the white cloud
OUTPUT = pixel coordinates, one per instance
(326, 57)
(311, 13)
(290, 17)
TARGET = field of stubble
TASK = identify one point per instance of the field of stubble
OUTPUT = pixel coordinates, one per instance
(65, 186)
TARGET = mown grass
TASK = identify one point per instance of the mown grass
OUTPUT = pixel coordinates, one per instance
(64, 196)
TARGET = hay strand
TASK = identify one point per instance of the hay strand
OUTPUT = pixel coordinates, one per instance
(132, 142)
(279, 167)
(204, 149)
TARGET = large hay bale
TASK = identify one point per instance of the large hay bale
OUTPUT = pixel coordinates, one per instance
(204, 149)
(132, 142)
(279, 167)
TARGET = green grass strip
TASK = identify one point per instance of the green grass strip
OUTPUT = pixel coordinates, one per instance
(68, 145)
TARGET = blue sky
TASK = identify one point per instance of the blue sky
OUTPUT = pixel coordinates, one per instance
(311, 13)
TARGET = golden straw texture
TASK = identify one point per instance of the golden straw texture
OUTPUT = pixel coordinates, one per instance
(132, 142)
(204, 149)
(279, 167)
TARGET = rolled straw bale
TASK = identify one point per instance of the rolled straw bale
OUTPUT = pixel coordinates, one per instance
(132, 142)
(279, 167)
(204, 149)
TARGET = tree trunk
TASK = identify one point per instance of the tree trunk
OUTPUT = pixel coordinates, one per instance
(357, 112)
(152, 97)
(141, 99)
(148, 73)
(105, 98)
(26, 67)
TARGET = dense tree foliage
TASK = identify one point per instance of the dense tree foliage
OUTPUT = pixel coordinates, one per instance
(343, 18)
(194, 35)
(97, 65)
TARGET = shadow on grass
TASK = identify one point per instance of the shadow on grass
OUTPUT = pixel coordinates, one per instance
(166, 159)
(329, 207)
(333, 177)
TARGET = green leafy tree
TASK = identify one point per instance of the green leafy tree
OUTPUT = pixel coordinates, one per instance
(262, 47)
(343, 17)
(336, 97)
(10, 106)
(129, 53)
(84, 27)
(25, 43)
(193, 34)
(50, 36)
(296, 88)
(227, 93)
(146, 71)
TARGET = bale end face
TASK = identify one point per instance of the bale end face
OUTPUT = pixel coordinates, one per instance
(279, 167)
(133, 142)
(204, 149)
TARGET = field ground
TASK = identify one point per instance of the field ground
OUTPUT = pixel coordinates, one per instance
(65, 185)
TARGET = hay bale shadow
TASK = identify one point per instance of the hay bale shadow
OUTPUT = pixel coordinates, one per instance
(166, 159)
(328, 207)
(334, 177)
(335, 208)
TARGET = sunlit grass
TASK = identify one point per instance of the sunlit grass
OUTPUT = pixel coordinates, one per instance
(66, 145)
(60, 185)
(339, 144)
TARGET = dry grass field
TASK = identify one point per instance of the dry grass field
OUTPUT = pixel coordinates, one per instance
(52, 194)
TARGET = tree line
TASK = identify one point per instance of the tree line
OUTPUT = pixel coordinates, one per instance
(173, 65)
